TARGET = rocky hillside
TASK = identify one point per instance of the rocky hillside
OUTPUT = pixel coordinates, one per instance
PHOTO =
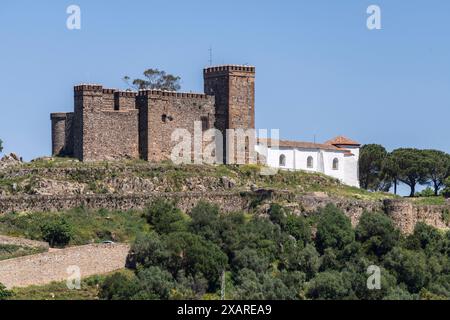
(52, 176)
(54, 184)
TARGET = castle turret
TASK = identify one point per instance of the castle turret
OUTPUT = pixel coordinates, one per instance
(234, 89)
(58, 132)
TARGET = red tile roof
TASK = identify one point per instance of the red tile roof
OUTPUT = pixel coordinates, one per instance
(342, 141)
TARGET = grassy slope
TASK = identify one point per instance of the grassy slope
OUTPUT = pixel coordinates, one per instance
(88, 226)
(8, 251)
(176, 176)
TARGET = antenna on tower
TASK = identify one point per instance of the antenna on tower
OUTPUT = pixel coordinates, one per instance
(210, 55)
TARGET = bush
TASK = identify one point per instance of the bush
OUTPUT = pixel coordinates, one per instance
(424, 237)
(165, 217)
(410, 268)
(205, 221)
(196, 256)
(154, 284)
(298, 228)
(327, 285)
(377, 233)
(428, 192)
(334, 229)
(4, 294)
(57, 232)
(119, 287)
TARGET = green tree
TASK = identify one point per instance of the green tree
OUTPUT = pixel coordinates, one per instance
(412, 165)
(148, 250)
(370, 166)
(155, 79)
(298, 227)
(119, 287)
(328, 285)
(248, 258)
(57, 232)
(165, 217)
(4, 294)
(1, 145)
(377, 233)
(154, 284)
(424, 237)
(205, 221)
(409, 266)
(334, 229)
(446, 191)
(391, 171)
(196, 256)
(437, 168)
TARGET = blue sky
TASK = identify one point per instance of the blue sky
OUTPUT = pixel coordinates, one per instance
(320, 71)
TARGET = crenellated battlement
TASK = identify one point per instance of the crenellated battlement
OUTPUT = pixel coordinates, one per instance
(88, 87)
(162, 93)
(127, 94)
(108, 91)
(229, 68)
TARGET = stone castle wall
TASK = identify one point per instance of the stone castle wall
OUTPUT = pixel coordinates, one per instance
(161, 113)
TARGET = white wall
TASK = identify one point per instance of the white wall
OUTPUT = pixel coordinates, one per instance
(296, 159)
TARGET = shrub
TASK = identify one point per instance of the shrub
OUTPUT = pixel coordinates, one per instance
(377, 233)
(4, 294)
(334, 229)
(205, 220)
(57, 232)
(327, 285)
(428, 192)
(409, 266)
(165, 217)
(119, 287)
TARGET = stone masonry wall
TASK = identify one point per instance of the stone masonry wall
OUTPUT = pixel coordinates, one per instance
(162, 112)
(111, 135)
(53, 266)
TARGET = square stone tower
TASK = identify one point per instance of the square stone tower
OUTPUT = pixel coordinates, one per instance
(234, 89)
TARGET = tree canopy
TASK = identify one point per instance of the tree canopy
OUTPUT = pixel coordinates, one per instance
(280, 257)
(155, 79)
(371, 160)
(379, 170)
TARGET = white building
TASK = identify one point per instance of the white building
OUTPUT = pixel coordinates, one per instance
(337, 158)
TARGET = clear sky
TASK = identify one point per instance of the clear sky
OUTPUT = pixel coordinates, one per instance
(320, 71)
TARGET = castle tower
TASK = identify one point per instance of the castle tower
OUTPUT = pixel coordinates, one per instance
(58, 133)
(234, 90)
(88, 98)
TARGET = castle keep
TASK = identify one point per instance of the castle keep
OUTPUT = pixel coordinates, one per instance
(108, 124)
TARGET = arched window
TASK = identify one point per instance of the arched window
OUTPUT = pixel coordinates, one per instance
(282, 160)
(335, 164)
(310, 162)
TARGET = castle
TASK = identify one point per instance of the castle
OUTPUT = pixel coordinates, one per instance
(109, 124)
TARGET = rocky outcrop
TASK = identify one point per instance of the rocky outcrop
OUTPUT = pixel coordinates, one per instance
(10, 160)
